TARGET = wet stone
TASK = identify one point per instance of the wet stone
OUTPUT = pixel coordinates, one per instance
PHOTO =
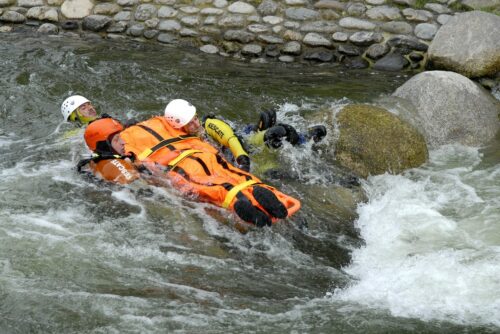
(272, 51)
(272, 20)
(150, 34)
(356, 9)
(253, 50)
(232, 21)
(391, 62)
(320, 27)
(189, 9)
(123, 16)
(136, 30)
(48, 28)
(291, 35)
(267, 7)
(383, 13)
(169, 25)
(425, 31)
(70, 25)
(321, 55)
(416, 56)
(212, 11)
(292, 48)
(145, 12)
(270, 39)
(314, 39)
(30, 3)
(400, 28)
(12, 17)
(340, 37)
(117, 27)
(417, 15)
(166, 12)
(377, 51)
(301, 14)
(257, 28)
(409, 3)
(286, 59)
(239, 36)
(409, 42)
(240, 7)
(7, 3)
(152, 23)
(355, 63)
(127, 3)
(106, 9)
(349, 50)
(209, 48)
(296, 2)
(443, 18)
(186, 32)
(330, 4)
(190, 21)
(437, 8)
(167, 38)
(353, 23)
(220, 3)
(96, 22)
(365, 38)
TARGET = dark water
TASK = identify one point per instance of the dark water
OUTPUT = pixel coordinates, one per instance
(79, 256)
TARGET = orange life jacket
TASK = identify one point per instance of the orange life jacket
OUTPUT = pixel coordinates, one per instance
(193, 165)
(114, 170)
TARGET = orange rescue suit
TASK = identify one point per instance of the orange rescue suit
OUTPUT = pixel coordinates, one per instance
(193, 165)
(114, 170)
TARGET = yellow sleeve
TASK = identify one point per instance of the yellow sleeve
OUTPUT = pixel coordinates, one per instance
(222, 133)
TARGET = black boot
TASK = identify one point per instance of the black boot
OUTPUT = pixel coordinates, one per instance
(267, 119)
(316, 133)
(270, 202)
(251, 214)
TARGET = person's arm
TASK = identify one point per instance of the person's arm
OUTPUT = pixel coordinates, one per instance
(222, 133)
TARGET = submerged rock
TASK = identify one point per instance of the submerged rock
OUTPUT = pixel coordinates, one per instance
(373, 141)
(451, 108)
(469, 43)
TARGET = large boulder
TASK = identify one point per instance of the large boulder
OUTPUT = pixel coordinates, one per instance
(373, 141)
(469, 43)
(450, 109)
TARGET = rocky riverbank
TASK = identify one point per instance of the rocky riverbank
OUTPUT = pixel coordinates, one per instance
(385, 34)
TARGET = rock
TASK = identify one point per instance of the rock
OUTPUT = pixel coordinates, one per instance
(286, 59)
(409, 3)
(321, 55)
(12, 17)
(416, 56)
(377, 51)
(330, 4)
(232, 21)
(5, 29)
(96, 22)
(253, 50)
(314, 39)
(443, 18)
(257, 28)
(212, 11)
(76, 9)
(145, 12)
(189, 9)
(150, 34)
(355, 63)
(407, 42)
(356, 9)
(450, 109)
(106, 9)
(372, 141)
(391, 62)
(301, 14)
(272, 50)
(478, 4)
(239, 36)
(166, 12)
(169, 25)
(70, 25)
(320, 27)
(375, 2)
(127, 3)
(48, 28)
(190, 21)
(399, 28)
(186, 32)
(30, 3)
(123, 16)
(417, 15)
(349, 50)
(117, 27)
(383, 13)
(468, 44)
(7, 3)
(270, 39)
(151, 23)
(437, 8)
(353, 23)
(240, 7)
(136, 30)
(365, 38)
(292, 48)
(272, 20)
(219, 3)
(167, 38)
(291, 35)
(340, 37)
(425, 31)
(267, 7)
(210, 49)
(43, 14)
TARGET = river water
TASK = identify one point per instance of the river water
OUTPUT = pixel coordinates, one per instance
(421, 255)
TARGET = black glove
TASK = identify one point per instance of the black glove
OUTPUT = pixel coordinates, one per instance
(243, 162)
(316, 133)
(291, 134)
(274, 135)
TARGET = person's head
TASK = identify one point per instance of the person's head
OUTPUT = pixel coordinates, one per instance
(78, 109)
(182, 114)
(100, 135)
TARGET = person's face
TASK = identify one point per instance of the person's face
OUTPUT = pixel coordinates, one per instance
(87, 110)
(194, 126)
(118, 144)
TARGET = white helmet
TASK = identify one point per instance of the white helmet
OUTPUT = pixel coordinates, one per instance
(70, 104)
(179, 113)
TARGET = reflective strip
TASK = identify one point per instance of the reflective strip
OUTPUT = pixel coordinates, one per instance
(232, 193)
(145, 154)
(181, 157)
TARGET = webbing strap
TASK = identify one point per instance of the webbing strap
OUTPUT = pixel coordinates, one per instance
(236, 189)
(147, 152)
(181, 157)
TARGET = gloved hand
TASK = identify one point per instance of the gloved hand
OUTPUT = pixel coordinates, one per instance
(267, 119)
(243, 162)
(316, 133)
(274, 135)
(291, 134)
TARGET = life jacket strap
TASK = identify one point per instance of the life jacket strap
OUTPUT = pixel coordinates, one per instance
(182, 156)
(147, 152)
(235, 190)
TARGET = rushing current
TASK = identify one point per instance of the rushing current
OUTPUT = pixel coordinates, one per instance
(420, 254)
